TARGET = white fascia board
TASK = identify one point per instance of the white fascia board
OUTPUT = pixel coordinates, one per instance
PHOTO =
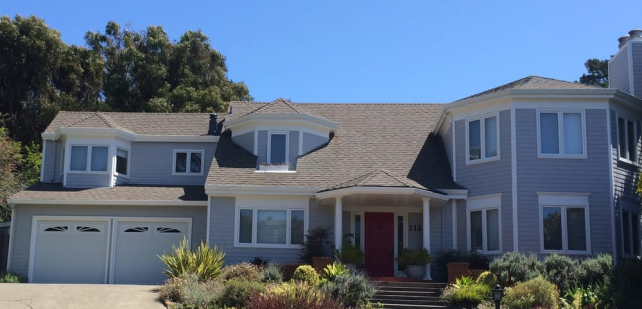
(112, 133)
(234, 190)
(627, 100)
(107, 202)
(380, 190)
(454, 191)
(50, 136)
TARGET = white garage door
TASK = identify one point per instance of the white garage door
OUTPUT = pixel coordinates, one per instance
(103, 249)
(137, 246)
(70, 251)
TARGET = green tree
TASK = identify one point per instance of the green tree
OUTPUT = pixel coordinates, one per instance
(598, 73)
(16, 171)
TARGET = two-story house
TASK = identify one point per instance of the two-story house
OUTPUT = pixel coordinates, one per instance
(537, 165)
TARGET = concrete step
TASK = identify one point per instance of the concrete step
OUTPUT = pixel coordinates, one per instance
(409, 289)
(385, 300)
(412, 284)
(409, 306)
(409, 293)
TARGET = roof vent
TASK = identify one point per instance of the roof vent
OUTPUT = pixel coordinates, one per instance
(623, 40)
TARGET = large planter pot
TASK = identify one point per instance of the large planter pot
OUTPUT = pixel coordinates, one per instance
(417, 272)
(474, 273)
(457, 270)
(319, 263)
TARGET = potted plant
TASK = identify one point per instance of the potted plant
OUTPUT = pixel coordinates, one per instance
(350, 255)
(413, 262)
(316, 248)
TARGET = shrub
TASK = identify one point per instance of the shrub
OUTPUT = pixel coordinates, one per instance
(316, 244)
(413, 257)
(466, 296)
(477, 260)
(595, 270)
(351, 290)
(12, 278)
(533, 293)
(205, 262)
(463, 282)
(192, 292)
(259, 261)
(271, 274)
(307, 274)
(242, 271)
(350, 253)
(292, 296)
(624, 287)
(512, 268)
(578, 297)
(237, 292)
(172, 289)
(334, 270)
(487, 278)
(561, 270)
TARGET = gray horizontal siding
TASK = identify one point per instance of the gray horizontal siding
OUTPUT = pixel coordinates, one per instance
(80, 180)
(448, 143)
(151, 163)
(48, 164)
(619, 71)
(462, 236)
(436, 230)
(246, 141)
(24, 215)
(312, 142)
(589, 175)
(447, 225)
(636, 59)
(490, 177)
(293, 148)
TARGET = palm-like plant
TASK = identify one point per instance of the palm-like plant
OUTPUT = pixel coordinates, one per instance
(206, 262)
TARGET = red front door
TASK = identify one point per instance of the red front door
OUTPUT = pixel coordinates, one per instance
(379, 243)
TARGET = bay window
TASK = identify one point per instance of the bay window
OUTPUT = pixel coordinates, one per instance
(627, 140)
(86, 158)
(561, 134)
(270, 227)
(482, 139)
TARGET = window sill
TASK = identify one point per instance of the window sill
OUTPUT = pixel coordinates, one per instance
(567, 252)
(627, 161)
(186, 174)
(480, 161)
(87, 172)
(566, 157)
(276, 172)
(274, 168)
(267, 246)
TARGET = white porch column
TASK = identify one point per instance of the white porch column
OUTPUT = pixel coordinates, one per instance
(426, 232)
(338, 223)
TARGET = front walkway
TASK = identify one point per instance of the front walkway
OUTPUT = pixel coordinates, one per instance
(78, 296)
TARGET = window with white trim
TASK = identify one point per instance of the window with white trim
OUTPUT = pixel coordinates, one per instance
(561, 133)
(484, 230)
(188, 162)
(627, 139)
(277, 148)
(122, 161)
(86, 158)
(482, 142)
(631, 233)
(564, 228)
(270, 227)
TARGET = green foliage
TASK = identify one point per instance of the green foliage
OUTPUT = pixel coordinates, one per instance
(12, 179)
(598, 73)
(271, 274)
(205, 262)
(595, 270)
(292, 296)
(242, 271)
(350, 253)
(334, 270)
(463, 282)
(623, 289)
(12, 278)
(316, 244)
(191, 292)
(413, 257)
(561, 270)
(579, 297)
(534, 293)
(466, 296)
(476, 260)
(512, 268)
(31, 163)
(237, 292)
(306, 273)
(487, 278)
(351, 290)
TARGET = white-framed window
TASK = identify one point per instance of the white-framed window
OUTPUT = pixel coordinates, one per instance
(631, 233)
(482, 139)
(88, 158)
(561, 134)
(627, 140)
(122, 161)
(278, 148)
(188, 162)
(270, 227)
(564, 223)
(484, 223)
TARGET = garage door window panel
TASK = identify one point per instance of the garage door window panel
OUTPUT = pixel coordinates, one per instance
(87, 229)
(57, 229)
(141, 229)
(167, 230)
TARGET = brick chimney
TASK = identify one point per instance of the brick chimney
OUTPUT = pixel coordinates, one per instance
(625, 68)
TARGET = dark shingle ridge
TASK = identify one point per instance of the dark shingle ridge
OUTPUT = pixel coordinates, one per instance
(364, 181)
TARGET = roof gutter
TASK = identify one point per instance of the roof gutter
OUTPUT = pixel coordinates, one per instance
(13, 201)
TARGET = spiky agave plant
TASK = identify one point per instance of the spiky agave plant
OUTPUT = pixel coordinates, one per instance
(206, 262)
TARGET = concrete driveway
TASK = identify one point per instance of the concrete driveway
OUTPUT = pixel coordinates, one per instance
(77, 296)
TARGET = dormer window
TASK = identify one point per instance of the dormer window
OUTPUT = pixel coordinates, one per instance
(88, 158)
(277, 148)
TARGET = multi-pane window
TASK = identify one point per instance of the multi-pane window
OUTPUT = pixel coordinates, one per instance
(564, 228)
(631, 233)
(270, 226)
(483, 138)
(188, 162)
(561, 133)
(122, 161)
(484, 230)
(627, 139)
(88, 158)
(278, 148)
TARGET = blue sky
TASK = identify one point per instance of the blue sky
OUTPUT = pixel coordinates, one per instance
(370, 51)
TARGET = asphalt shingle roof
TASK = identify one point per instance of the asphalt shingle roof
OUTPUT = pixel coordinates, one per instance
(379, 178)
(51, 191)
(534, 82)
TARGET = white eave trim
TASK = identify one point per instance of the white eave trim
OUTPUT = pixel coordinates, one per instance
(111, 133)
(108, 202)
(234, 190)
(380, 190)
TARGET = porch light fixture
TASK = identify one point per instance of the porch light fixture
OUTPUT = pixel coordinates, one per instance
(498, 294)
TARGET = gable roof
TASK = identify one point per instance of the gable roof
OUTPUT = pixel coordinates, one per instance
(279, 106)
(391, 137)
(534, 82)
(379, 178)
